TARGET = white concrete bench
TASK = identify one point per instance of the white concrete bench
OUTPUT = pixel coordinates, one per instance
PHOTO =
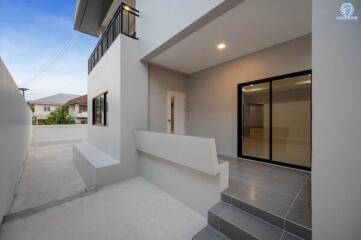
(95, 167)
(187, 167)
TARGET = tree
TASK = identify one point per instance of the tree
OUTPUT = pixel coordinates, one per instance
(60, 116)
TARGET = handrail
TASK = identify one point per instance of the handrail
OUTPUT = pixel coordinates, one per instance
(123, 21)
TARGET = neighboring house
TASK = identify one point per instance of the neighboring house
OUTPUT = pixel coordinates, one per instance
(78, 109)
(170, 82)
(44, 106)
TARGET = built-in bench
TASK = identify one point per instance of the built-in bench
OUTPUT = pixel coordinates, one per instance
(95, 167)
(187, 167)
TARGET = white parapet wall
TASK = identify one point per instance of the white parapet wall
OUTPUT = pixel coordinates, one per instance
(186, 167)
(47, 134)
(15, 136)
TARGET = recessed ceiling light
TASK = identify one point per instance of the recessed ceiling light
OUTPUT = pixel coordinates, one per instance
(251, 85)
(221, 46)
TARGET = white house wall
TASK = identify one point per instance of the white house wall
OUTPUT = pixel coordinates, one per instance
(125, 78)
(40, 113)
(336, 122)
(212, 93)
(45, 134)
(133, 102)
(15, 135)
(159, 21)
(105, 77)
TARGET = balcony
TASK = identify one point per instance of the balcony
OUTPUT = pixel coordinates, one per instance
(122, 22)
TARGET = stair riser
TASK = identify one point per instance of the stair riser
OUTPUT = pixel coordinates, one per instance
(298, 230)
(228, 229)
(266, 216)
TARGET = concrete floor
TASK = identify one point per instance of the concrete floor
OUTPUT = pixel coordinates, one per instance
(49, 175)
(134, 209)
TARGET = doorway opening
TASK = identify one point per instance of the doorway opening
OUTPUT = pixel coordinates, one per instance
(274, 120)
(176, 112)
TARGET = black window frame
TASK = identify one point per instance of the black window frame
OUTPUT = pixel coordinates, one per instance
(103, 120)
(240, 122)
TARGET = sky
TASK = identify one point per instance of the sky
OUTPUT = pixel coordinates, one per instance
(40, 48)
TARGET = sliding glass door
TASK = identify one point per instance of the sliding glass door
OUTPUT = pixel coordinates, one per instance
(274, 120)
(256, 119)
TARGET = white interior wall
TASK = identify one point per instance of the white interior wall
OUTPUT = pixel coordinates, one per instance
(160, 81)
(212, 93)
(15, 135)
(336, 122)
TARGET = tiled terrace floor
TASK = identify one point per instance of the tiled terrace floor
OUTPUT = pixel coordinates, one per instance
(280, 191)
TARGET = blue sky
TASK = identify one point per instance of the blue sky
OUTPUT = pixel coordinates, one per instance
(41, 49)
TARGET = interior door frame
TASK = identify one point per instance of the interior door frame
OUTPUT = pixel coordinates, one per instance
(168, 111)
(240, 119)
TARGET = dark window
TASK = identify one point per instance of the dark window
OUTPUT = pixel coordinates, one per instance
(100, 110)
(83, 108)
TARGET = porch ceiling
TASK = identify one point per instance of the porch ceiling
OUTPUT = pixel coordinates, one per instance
(251, 26)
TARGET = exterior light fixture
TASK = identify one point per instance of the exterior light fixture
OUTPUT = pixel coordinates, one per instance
(126, 8)
(221, 46)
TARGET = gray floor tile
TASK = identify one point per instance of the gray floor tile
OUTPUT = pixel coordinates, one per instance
(213, 220)
(220, 236)
(219, 208)
(288, 173)
(250, 224)
(252, 166)
(279, 185)
(268, 191)
(206, 233)
(226, 198)
(260, 213)
(243, 174)
(214, 213)
(300, 212)
(300, 216)
(305, 194)
(253, 191)
(234, 232)
(267, 204)
(298, 230)
(288, 236)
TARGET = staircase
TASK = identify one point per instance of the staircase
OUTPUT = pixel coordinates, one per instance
(242, 218)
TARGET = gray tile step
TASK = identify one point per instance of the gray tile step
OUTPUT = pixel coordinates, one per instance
(238, 224)
(268, 216)
(209, 233)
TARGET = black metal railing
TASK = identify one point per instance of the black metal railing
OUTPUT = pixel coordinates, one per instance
(122, 22)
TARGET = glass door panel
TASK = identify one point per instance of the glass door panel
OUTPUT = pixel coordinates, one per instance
(255, 120)
(291, 120)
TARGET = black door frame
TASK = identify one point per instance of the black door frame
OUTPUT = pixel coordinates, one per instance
(240, 116)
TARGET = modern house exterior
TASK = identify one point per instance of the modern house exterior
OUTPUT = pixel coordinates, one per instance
(44, 106)
(245, 111)
(244, 76)
(78, 109)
